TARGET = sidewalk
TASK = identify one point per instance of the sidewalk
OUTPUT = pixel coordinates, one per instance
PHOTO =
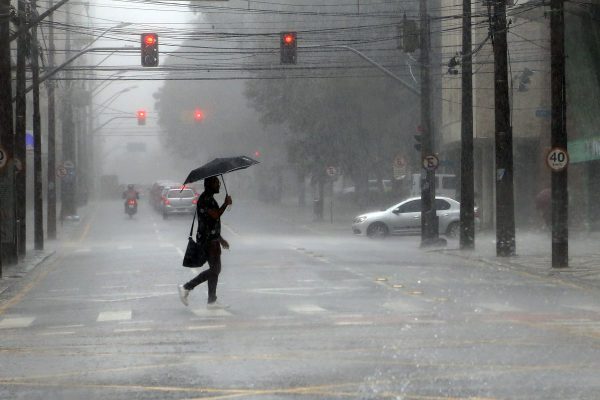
(11, 274)
(534, 249)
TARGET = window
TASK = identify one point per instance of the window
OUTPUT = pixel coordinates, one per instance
(411, 206)
(441, 205)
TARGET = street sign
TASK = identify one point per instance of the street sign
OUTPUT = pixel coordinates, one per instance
(331, 171)
(399, 162)
(557, 159)
(61, 172)
(431, 162)
(3, 158)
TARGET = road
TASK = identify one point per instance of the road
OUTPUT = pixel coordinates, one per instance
(313, 316)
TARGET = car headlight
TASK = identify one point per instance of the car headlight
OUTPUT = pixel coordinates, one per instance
(360, 219)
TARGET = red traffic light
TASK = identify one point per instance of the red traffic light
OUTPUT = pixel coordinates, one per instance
(288, 38)
(198, 114)
(257, 153)
(141, 117)
(150, 39)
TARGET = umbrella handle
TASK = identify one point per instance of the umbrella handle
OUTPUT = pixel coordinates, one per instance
(225, 186)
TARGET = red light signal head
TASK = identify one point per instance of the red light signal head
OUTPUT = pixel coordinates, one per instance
(141, 114)
(257, 153)
(150, 39)
(288, 38)
(198, 114)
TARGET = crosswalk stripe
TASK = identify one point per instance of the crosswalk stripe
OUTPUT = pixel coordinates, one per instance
(307, 309)
(114, 316)
(204, 312)
(16, 322)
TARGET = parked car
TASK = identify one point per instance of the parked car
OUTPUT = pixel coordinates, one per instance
(178, 201)
(404, 218)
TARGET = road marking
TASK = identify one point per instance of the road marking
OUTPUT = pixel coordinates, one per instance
(129, 330)
(66, 326)
(82, 250)
(16, 322)
(354, 323)
(307, 309)
(204, 312)
(113, 287)
(499, 307)
(205, 327)
(114, 316)
(56, 333)
(125, 247)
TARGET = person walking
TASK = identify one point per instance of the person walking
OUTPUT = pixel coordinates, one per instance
(209, 234)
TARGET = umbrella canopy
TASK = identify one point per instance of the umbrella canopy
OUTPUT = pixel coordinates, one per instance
(219, 166)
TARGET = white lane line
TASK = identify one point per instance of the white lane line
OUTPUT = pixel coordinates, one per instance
(307, 309)
(205, 327)
(125, 247)
(114, 316)
(499, 307)
(113, 287)
(16, 322)
(354, 323)
(83, 250)
(128, 330)
(56, 333)
(66, 326)
(63, 290)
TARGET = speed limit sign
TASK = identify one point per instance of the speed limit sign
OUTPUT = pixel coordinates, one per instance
(3, 158)
(557, 159)
(431, 162)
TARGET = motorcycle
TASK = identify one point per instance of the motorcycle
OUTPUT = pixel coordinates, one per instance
(131, 207)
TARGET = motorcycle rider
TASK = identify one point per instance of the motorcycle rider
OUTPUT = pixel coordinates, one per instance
(130, 194)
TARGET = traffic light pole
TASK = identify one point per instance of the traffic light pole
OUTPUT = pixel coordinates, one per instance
(429, 220)
(467, 203)
(38, 199)
(505, 216)
(560, 198)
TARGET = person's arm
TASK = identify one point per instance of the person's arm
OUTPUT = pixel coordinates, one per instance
(216, 213)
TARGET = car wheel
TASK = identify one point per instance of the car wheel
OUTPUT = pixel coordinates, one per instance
(453, 230)
(377, 230)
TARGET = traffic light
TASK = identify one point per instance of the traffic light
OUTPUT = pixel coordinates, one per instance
(288, 47)
(141, 117)
(257, 153)
(418, 141)
(198, 115)
(149, 50)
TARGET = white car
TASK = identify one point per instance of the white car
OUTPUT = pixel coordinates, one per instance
(405, 219)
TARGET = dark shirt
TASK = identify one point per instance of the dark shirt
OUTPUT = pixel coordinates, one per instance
(208, 227)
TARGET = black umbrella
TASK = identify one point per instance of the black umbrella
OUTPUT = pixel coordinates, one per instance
(219, 166)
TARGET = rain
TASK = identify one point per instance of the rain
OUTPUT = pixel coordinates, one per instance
(284, 199)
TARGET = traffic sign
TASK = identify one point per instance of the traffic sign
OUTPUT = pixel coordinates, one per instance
(61, 172)
(431, 162)
(331, 171)
(3, 158)
(557, 159)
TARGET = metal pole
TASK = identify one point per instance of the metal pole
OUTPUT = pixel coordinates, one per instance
(51, 170)
(38, 198)
(20, 132)
(429, 226)
(467, 203)
(505, 216)
(6, 126)
(560, 199)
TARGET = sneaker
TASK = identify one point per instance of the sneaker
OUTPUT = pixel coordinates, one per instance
(183, 294)
(215, 305)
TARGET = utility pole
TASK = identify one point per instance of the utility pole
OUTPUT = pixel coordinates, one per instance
(429, 220)
(51, 169)
(467, 193)
(505, 207)
(38, 199)
(6, 137)
(20, 131)
(560, 199)
(68, 203)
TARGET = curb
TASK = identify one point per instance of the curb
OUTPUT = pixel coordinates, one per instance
(22, 269)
